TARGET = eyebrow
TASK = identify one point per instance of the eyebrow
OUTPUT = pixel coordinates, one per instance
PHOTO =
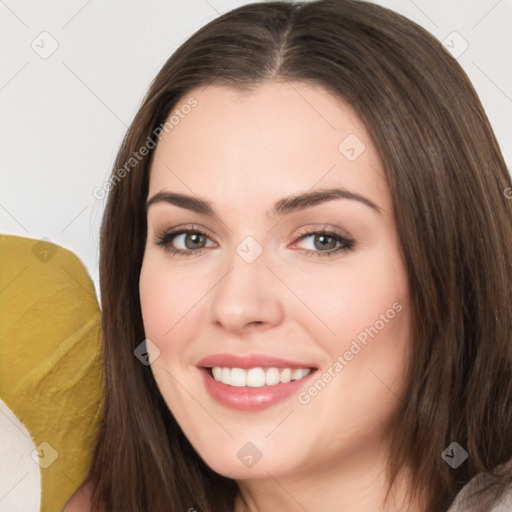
(281, 207)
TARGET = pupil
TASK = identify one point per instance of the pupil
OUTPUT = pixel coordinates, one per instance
(323, 245)
(195, 240)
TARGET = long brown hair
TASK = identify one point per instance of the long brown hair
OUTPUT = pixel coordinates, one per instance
(447, 179)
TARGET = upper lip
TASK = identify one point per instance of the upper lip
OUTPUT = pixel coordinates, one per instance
(248, 361)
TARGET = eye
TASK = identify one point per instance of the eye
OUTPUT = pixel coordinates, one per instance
(193, 241)
(323, 242)
(326, 243)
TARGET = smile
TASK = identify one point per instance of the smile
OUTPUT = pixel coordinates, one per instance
(252, 382)
(257, 377)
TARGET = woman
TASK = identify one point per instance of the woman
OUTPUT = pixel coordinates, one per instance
(306, 275)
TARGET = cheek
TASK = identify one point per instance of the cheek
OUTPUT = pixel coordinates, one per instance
(354, 301)
(365, 362)
(373, 334)
(370, 301)
(165, 300)
(167, 294)
(168, 314)
(156, 303)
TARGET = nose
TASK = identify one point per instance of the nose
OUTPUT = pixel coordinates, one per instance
(247, 297)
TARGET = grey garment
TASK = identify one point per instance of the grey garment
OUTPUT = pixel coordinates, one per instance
(504, 504)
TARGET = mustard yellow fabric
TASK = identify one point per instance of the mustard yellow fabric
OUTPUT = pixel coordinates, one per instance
(51, 373)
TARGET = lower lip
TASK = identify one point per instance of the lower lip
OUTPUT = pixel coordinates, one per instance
(251, 399)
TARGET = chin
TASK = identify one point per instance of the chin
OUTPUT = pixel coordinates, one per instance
(239, 459)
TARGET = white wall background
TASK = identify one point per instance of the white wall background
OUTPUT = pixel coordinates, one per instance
(64, 114)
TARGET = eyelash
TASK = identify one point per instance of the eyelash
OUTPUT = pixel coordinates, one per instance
(164, 240)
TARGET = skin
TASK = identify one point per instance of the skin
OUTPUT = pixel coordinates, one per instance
(243, 152)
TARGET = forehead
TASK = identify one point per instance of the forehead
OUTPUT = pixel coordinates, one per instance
(280, 138)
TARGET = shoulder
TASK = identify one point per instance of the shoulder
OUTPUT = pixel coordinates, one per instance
(80, 501)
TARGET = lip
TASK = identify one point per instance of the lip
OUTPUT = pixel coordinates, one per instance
(250, 361)
(249, 399)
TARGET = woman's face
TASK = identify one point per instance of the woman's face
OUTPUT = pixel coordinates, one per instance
(276, 281)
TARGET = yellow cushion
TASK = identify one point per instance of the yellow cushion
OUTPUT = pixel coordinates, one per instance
(51, 373)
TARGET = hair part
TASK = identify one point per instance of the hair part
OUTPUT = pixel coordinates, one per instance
(446, 176)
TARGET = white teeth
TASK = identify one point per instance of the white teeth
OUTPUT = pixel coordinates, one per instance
(286, 375)
(238, 377)
(298, 374)
(217, 373)
(257, 377)
(271, 376)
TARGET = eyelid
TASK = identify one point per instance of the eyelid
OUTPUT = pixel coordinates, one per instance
(184, 228)
(303, 230)
(327, 228)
